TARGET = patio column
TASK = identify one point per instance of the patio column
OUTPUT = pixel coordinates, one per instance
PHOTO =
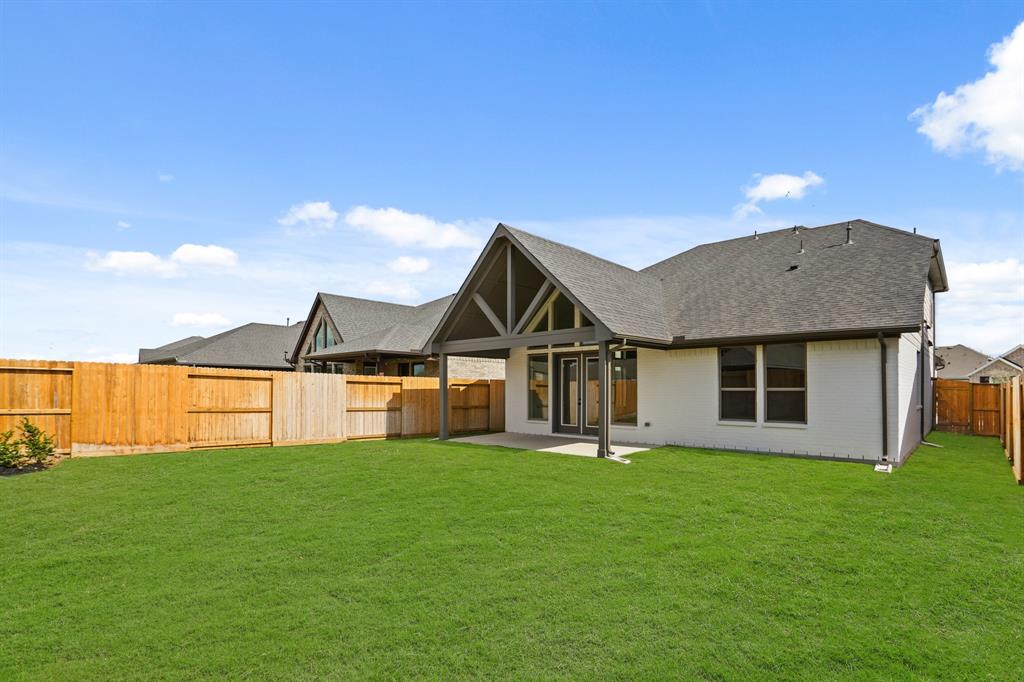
(603, 393)
(442, 362)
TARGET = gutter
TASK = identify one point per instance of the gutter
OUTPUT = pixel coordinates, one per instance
(838, 335)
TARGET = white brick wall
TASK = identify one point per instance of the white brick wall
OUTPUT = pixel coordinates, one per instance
(678, 397)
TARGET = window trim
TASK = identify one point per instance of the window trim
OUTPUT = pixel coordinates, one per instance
(764, 361)
(736, 420)
(547, 359)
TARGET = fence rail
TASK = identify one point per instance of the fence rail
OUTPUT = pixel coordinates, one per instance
(1011, 402)
(99, 408)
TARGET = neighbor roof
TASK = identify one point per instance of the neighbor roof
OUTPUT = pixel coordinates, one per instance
(254, 345)
(795, 281)
(959, 361)
(375, 327)
(1011, 365)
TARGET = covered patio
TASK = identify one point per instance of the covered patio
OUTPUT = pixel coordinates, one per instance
(513, 299)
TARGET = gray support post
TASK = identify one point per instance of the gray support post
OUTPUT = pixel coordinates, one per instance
(443, 388)
(603, 413)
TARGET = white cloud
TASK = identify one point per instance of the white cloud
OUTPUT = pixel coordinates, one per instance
(409, 265)
(984, 307)
(164, 177)
(402, 291)
(776, 186)
(199, 320)
(312, 217)
(123, 225)
(987, 114)
(411, 229)
(148, 263)
(132, 262)
(210, 255)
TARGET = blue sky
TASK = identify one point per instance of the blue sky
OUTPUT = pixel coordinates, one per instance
(337, 147)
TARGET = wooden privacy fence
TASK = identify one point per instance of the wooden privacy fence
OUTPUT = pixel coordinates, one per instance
(962, 407)
(1011, 399)
(98, 408)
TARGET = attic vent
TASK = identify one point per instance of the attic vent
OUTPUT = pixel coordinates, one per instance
(849, 233)
(791, 268)
(796, 229)
(755, 234)
(801, 246)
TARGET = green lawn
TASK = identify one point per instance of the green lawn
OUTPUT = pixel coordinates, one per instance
(414, 558)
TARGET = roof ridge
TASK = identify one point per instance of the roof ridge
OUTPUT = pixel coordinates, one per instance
(802, 228)
(365, 300)
(569, 246)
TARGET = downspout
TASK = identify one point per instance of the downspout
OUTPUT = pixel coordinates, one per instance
(885, 397)
(924, 360)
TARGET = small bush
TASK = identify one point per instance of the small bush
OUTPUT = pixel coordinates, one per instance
(37, 444)
(10, 450)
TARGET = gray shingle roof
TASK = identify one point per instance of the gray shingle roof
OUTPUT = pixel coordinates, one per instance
(376, 327)
(624, 300)
(747, 287)
(253, 345)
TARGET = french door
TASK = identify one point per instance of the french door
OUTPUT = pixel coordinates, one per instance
(577, 394)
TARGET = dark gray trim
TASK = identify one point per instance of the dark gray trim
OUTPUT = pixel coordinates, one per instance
(581, 335)
(603, 413)
(489, 314)
(535, 304)
(510, 290)
(442, 373)
(839, 335)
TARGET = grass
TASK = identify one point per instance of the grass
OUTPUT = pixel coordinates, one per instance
(420, 559)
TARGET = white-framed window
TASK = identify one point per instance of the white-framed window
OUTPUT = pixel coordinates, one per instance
(737, 383)
(624, 387)
(538, 374)
(785, 383)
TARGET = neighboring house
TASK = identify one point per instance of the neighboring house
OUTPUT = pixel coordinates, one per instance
(251, 346)
(961, 363)
(808, 341)
(346, 335)
(1015, 355)
(956, 362)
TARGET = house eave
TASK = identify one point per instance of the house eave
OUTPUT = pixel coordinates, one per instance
(830, 335)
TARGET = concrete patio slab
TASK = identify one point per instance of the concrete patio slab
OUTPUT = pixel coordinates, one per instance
(565, 445)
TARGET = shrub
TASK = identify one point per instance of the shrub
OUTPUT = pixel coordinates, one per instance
(38, 445)
(10, 450)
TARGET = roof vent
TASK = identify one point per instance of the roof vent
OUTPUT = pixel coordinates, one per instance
(796, 229)
(801, 246)
(849, 233)
(755, 234)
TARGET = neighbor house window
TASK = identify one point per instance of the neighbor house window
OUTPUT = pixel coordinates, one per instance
(785, 396)
(411, 369)
(624, 387)
(737, 383)
(537, 387)
(369, 369)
